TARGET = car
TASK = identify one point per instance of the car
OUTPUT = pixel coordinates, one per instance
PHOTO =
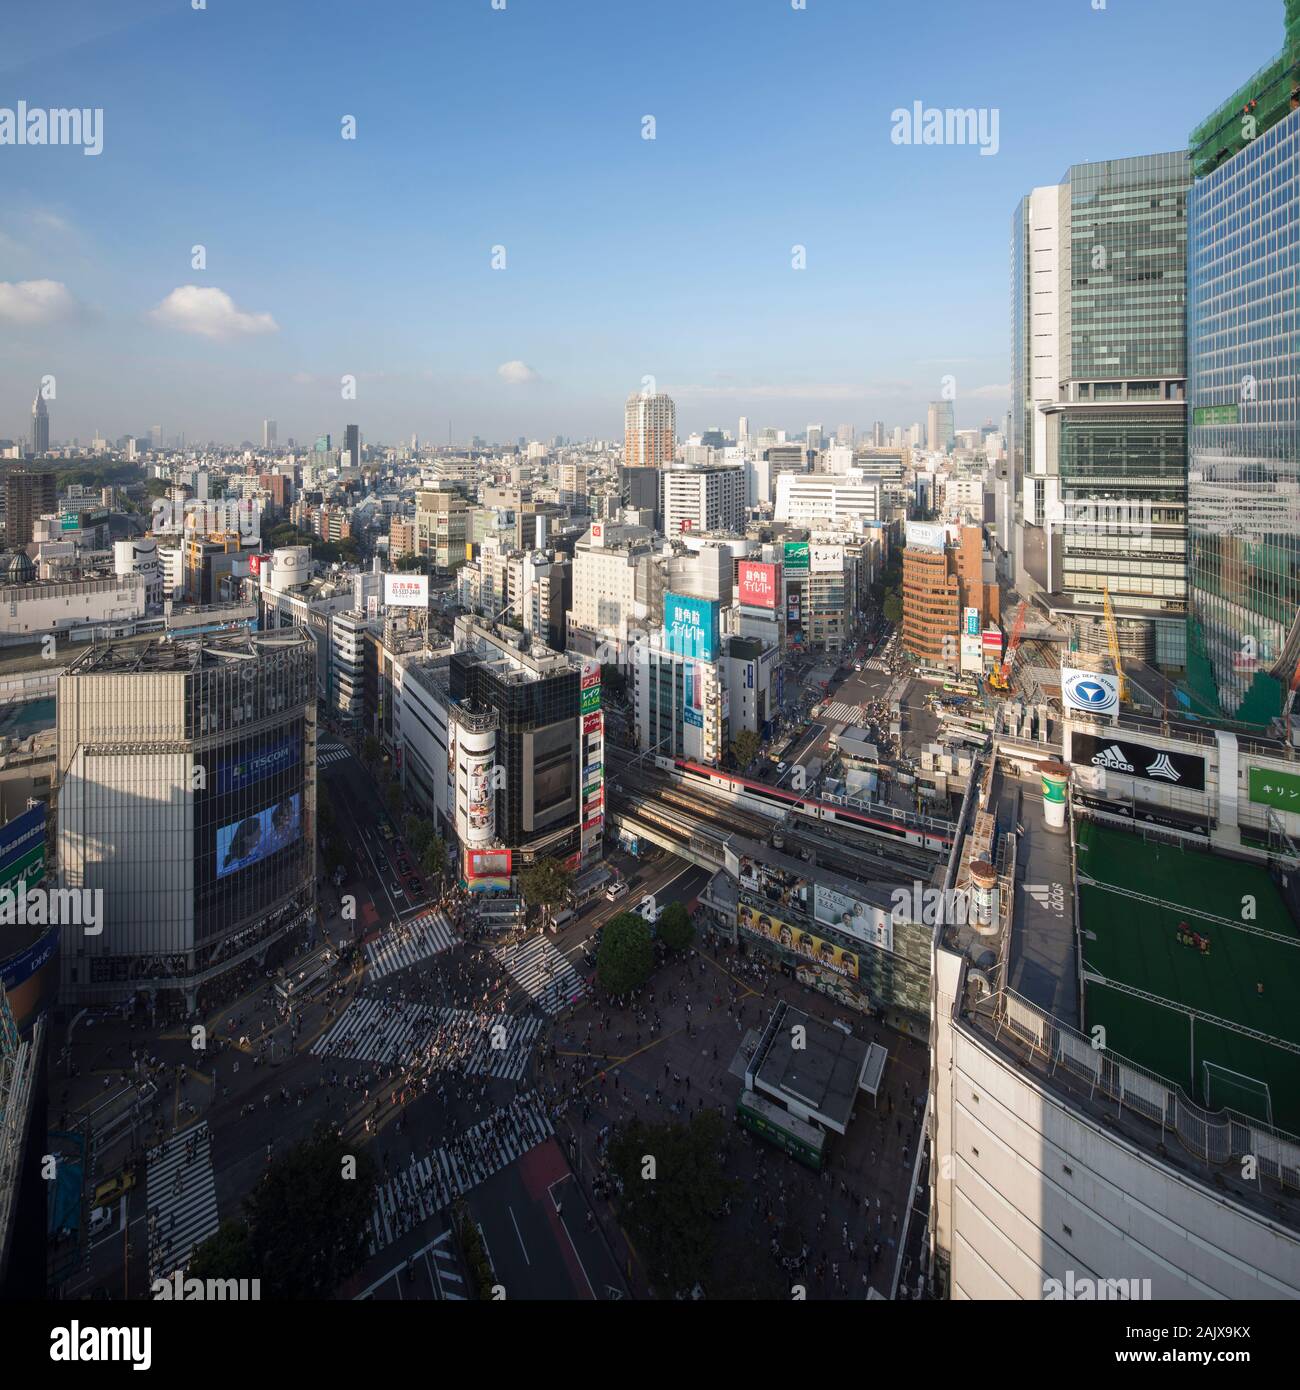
(403, 866)
(397, 890)
(417, 890)
(115, 1186)
(781, 768)
(100, 1220)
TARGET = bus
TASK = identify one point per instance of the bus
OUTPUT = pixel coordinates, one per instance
(299, 982)
(800, 1140)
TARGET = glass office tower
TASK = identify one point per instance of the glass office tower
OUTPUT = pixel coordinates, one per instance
(1244, 411)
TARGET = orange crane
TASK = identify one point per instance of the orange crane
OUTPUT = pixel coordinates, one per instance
(1000, 676)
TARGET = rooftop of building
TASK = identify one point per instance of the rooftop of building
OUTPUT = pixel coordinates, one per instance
(822, 1075)
(132, 655)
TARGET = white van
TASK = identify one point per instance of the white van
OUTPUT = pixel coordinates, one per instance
(616, 890)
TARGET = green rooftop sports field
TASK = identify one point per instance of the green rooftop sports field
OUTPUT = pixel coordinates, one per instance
(1134, 943)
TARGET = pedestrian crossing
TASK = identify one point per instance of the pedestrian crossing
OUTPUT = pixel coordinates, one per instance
(542, 973)
(327, 753)
(181, 1195)
(447, 1278)
(875, 663)
(490, 1045)
(432, 1183)
(406, 943)
(844, 713)
(377, 1030)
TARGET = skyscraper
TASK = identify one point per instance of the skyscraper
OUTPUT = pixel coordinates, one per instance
(650, 431)
(268, 434)
(878, 435)
(940, 429)
(352, 446)
(1243, 494)
(1098, 454)
(27, 497)
(40, 428)
(814, 437)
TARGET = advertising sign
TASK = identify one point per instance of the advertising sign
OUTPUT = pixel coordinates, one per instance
(247, 841)
(22, 848)
(1137, 760)
(487, 863)
(972, 653)
(759, 584)
(591, 723)
(792, 608)
(1093, 692)
(826, 559)
(480, 804)
(864, 921)
(598, 533)
(972, 628)
(591, 699)
(691, 626)
(796, 939)
(992, 639)
(1280, 789)
(590, 675)
(406, 590)
(923, 535)
(234, 773)
(796, 557)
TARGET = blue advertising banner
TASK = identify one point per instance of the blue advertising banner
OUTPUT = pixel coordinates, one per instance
(234, 773)
(691, 626)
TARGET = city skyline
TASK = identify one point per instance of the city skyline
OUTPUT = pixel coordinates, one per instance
(506, 291)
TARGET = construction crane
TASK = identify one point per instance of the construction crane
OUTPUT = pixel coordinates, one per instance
(1000, 676)
(1112, 636)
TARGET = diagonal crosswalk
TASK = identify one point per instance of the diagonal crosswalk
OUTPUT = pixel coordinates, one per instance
(408, 943)
(432, 1183)
(548, 979)
(181, 1195)
(492, 1045)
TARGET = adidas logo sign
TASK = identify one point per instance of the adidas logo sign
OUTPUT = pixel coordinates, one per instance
(1113, 759)
(1162, 767)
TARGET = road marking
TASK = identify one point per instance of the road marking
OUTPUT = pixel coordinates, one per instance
(522, 1246)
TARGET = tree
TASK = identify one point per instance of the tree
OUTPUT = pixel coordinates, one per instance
(393, 799)
(745, 747)
(676, 930)
(673, 1189)
(370, 750)
(226, 1254)
(545, 883)
(418, 833)
(433, 861)
(627, 954)
(893, 608)
(307, 1217)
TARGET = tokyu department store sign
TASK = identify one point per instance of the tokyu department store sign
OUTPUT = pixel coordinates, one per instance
(1280, 789)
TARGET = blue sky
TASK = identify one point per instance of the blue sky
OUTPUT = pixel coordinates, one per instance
(626, 258)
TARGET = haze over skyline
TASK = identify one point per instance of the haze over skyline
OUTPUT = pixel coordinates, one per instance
(625, 258)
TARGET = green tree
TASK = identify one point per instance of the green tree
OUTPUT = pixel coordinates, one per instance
(307, 1217)
(676, 930)
(226, 1254)
(433, 860)
(545, 883)
(371, 751)
(673, 1188)
(627, 954)
(418, 833)
(745, 747)
(893, 608)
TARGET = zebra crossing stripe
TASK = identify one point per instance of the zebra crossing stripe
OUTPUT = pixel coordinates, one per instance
(548, 979)
(331, 754)
(194, 1205)
(370, 1030)
(408, 943)
(427, 1187)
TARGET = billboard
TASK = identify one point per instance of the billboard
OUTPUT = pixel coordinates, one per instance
(590, 674)
(759, 584)
(826, 559)
(487, 863)
(864, 921)
(922, 535)
(406, 590)
(796, 939)
(972, 653)
(591, 723)
(972, 627)
(234, 773)
(796, 557)
(1280, 789)
(591, 699)
(792, 607)
(480, 801)
(992, 640)
(691, 626)
(22, 848)
(1093, 692)
(252, 839)
(1137, 760)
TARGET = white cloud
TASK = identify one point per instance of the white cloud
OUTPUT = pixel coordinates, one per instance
(35, 302)
(517, 373)
(994, 393)
(211, 313)
(302, 378)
